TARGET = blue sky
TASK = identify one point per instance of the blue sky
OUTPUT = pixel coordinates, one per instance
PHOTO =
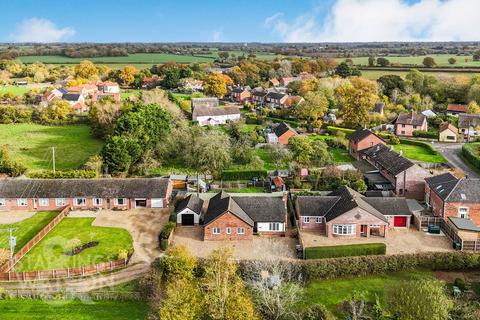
(238, 21)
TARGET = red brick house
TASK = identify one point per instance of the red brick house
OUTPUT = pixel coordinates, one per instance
(407, 178)
(240, 94)
(239, 217)
(362, 139)
(258, 97)
(346, 213)
(448, 196)
(281, 133)
(407, 123)
(456, 109)
(54, 194)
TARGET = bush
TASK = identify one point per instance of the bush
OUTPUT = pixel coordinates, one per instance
(426, 134)
(470, 152)
(67, 174)
(345, 250)
(459, 283)
(173, 217)
(243, 174)
(165, 234)
(394, 140)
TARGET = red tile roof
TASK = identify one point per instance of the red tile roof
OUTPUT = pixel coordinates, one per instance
(457, 108)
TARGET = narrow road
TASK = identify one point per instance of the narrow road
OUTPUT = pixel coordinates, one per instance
(451, 152)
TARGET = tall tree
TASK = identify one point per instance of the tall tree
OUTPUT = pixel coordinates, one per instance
(128, 74)
(215, 84)
(86, 70)
(429, 62)
(313, 108)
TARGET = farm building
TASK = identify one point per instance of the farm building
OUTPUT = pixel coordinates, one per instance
(211, 116)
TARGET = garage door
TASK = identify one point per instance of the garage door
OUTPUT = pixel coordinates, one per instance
(188, 220)
(399, 221)
(157, 203)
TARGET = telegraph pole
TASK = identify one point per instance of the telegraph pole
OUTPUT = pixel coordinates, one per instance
(53, 158)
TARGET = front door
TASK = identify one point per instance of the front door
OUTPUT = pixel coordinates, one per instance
(363, 230)
(108, 203)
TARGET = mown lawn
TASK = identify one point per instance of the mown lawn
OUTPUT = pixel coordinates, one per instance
(31, 145)
(26, 229)
(419, 153)
(16, 90)
(339, 155)
(50, 252)
(16, 309)
(333, 292)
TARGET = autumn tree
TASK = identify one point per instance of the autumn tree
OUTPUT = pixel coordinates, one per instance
(356, 98)
(86, 70)
(215, 84)
(473, 108)
(313, 108)
(429, 62)
(103, 116)
(57, 112)
(128, 74)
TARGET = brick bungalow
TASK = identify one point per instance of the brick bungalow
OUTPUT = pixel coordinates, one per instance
(348, 214)
(54, 194)
(407, 178)
(239, 217)
(447, 133)
(362, 139)
(407, 123)
(281, 133)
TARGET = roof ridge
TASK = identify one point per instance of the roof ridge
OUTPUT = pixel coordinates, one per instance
(456, 185)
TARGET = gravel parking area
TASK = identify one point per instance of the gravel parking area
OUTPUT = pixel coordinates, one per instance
(143, 224)
(261, 248)
(398, 241)
(8, 217)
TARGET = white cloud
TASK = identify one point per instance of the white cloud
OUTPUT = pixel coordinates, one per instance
(216, 36)
(385, 20)
(270, 20)
(40, 30)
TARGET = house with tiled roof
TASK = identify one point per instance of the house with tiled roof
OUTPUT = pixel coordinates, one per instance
(280, 133)
(447, 133)
(212, 116)
(276, 99)
(469, 125)
(346, 213)
(189, 210)
(239, 94)
(362, 139)
(240, 217)
(407, 123)
(258, 96)
(456, 109)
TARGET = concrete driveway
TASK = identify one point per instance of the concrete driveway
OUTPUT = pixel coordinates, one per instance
(451, 152)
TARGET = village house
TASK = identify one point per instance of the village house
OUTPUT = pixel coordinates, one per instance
(205, 102)
(469, 125)
(189, 211)
(54, 194)
(273, 82)
(362, 139)
(276, 99)
(407, 123)
(212, 116)
(346, 213)
(240, 217)
(447, 133)
(287, 80)
(280, 133)
(54, 94)
(258, 97)
(405, 177)
(193, 85)
(240, 94)
(77, 101)
(456, 109)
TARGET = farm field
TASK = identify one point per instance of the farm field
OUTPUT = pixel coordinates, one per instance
(30, 144)
(375, 74)
(50, 252)
(15, 90)
(24, 309)
(26, 229)
(418, 153)
(333, 292)
(440, 59)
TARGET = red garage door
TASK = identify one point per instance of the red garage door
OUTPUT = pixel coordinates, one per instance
(399, 221)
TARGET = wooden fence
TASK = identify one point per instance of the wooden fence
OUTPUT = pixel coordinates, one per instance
(36, 239)
(64, 273)
(423, 221)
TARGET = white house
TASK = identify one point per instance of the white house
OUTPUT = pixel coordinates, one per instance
(189, 211)
(211, 116)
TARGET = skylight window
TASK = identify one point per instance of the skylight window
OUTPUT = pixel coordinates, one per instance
(463, 196)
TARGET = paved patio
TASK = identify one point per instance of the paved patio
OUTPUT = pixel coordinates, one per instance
(398, 241)
(14, 216)
(262, 248)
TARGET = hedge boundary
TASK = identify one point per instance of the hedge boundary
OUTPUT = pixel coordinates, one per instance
(345, 250)
(243, 174)
(422, 144)
(67, 174)
(470, 152)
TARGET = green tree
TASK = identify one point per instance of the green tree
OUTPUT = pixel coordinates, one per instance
(302, 149)
(343, 70)
(383, 62)
(418, 300)
(103, 116)
(429, 62)
(57, 112)
(313, 108)
(473, 108)
(452, 60)
(120, 153)
(211, 153)
(390, 83)
(371, 61)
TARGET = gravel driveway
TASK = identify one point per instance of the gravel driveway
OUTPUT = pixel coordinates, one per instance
(451, 152)
(8, 217)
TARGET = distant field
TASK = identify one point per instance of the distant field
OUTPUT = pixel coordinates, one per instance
(16, 90)
(375, 74)
(440, 59)
(31, 145)
(140, 60)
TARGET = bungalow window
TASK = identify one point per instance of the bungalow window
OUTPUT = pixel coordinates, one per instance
(3, 203)
(306, 219)
(120, 201)
(344, 229)
(240, 230)
(43, 202)
(229, 230)
(22, 202)
(414, 127)
(274, 226)
(80, 201)
(216, 231)
(463, 213)
(98, 202)
(318, 219)
(60, 202)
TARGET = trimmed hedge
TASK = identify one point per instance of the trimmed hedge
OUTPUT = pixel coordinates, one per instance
(345, 250)
(165, 234)
(68, 174)
(422, 144)
(426, 134)
(243, 174)
(470, 151)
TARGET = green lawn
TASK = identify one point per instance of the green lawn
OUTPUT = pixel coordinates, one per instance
(333, 292)
(16, 309)
(16, 90)
(242, 190)
(26, 229)
(31, 145)
(339, 155)
(49, 253)
(418, 153)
